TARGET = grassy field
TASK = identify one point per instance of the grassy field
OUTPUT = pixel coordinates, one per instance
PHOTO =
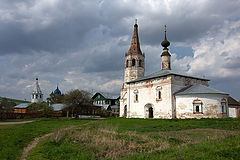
(13, 138)
(144, 139)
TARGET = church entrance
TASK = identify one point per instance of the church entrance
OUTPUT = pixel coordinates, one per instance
(150, 112)
(148, 109)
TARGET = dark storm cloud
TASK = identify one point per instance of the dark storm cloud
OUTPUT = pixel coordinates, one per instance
(71, 21)
(82, 43)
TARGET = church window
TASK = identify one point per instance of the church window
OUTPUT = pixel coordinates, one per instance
(127, 63)
(32, 96)
(135, 95)
(36, 96)
(158, 93)
(40, 96)
(140, 63)
(133, 62)
(197, 106)
(223, 106)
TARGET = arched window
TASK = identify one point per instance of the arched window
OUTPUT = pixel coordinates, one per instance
(140, 63)
(127, 63)
(197, 106)
(135, 95)
(133, 62)
(224, 106)
(158, 93)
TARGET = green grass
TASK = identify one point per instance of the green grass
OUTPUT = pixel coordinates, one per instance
(120, 138)
(13, 138)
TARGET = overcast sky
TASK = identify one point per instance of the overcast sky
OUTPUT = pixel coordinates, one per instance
(80, 44)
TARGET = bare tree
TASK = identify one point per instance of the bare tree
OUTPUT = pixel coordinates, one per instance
(77, 101)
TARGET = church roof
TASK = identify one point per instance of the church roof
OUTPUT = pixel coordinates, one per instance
(37, 87)
(135, 45)
(58, 91)
(163, 73)
(198, 89)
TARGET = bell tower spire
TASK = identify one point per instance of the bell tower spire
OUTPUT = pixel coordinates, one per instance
(135, 45)
(166, 57)
(37, 96)
(134, 58)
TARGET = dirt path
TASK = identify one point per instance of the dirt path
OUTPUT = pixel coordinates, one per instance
(21, 122)
(34, 143)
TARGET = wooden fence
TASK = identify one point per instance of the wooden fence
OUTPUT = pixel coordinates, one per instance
(11, 115)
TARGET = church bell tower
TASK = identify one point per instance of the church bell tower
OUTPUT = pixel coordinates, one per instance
(134, 59)
(166, 57)
(37, 96)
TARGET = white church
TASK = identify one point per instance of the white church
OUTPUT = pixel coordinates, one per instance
(166, 93)
(37, 95)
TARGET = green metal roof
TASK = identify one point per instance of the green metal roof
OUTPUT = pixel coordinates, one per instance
(198, 89)
(163, 73)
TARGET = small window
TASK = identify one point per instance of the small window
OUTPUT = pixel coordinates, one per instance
(197, 106)
(223, 106)
(40, 96)
(140, 63)
(133, 62)
(136, 97)
(36, 96)
(127, 63)
(159, 94)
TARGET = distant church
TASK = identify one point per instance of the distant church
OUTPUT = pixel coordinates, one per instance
(37, 95)
(166, 93)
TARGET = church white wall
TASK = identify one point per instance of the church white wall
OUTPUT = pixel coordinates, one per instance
(211, 106)
(147, 94)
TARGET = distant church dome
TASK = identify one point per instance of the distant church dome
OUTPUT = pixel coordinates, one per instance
(58, 91)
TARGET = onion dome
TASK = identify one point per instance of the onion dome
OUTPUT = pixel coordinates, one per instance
(165, 43)
(58, 91)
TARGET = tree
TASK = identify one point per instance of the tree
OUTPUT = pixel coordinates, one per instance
(6, 105)
(77, 101)
(55, 98)
(39, 108)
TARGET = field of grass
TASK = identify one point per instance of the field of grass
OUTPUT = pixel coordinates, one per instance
(13, 138)
(120, 138)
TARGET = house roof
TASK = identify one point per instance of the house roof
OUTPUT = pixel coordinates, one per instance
(22, 105)
(163, 73)
(57, 107)
(198, 89)
(233, 102)
(107, 95)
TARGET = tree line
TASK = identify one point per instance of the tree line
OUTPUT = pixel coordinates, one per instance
(75, 102)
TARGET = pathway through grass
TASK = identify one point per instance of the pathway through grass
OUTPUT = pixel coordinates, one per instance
(14, 138)
(141, 139)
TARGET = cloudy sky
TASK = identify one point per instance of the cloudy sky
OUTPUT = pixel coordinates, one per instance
(80, 44)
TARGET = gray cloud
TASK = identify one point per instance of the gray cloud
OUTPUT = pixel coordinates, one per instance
(81, 44)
